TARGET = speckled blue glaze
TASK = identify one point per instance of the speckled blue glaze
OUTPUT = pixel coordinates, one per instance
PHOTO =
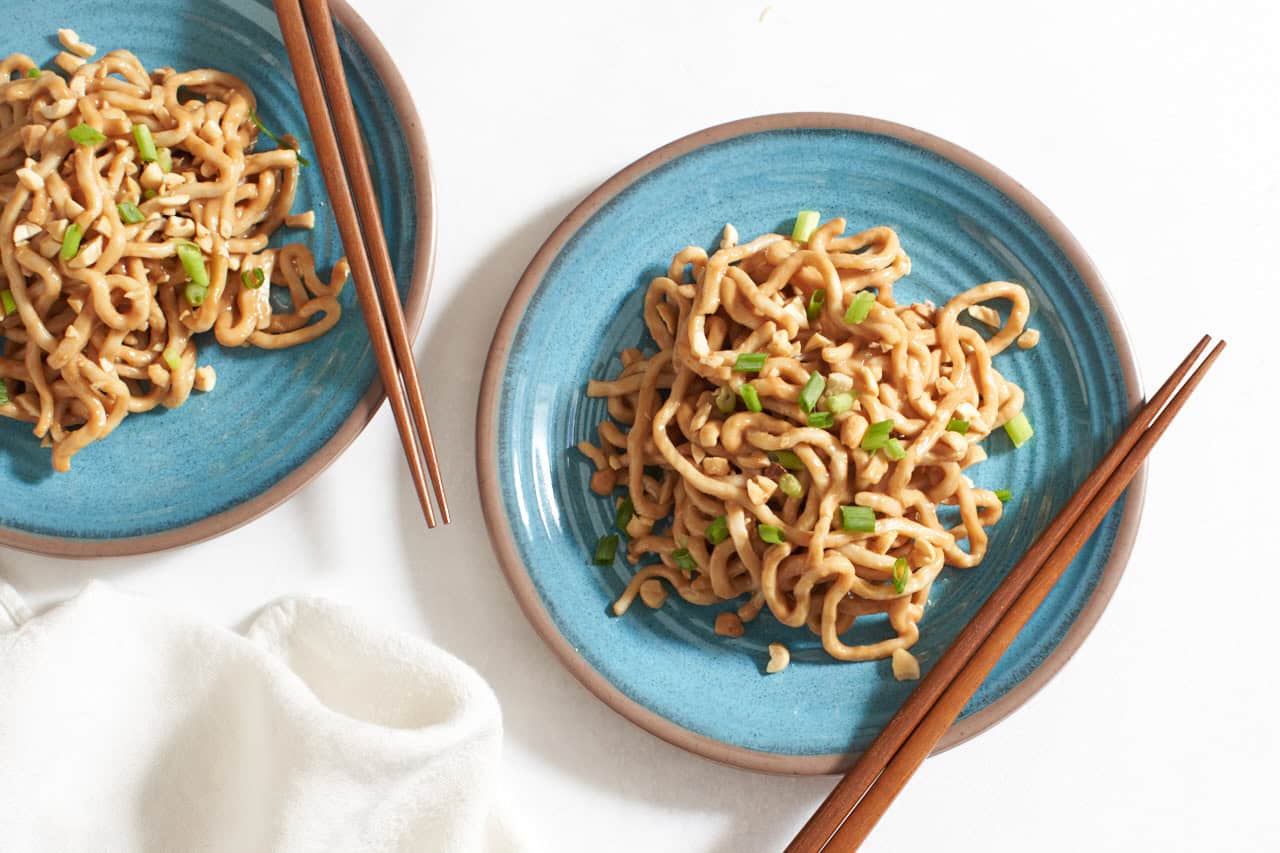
(959, 230)
(270, 411)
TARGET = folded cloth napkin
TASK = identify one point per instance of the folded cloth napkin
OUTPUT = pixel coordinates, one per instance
(128, 727)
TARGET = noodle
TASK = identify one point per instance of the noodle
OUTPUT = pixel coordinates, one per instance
(743, 525)
(134, 216)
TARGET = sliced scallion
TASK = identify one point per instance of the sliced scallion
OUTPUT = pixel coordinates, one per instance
(1004, 495)
(749, 362)
(172, 360)
(821, 420)
(772, 535)
(129, 213)
(4, 392)
(146, 143)
(812, 390)
(1019, 429)
(262, 127)
(816, 300)
(7, 303)
(876, 436)
(837, 403)
(195, 293)
(901, 574)
(859, 519)
(83, 134)
(750, 397)
(71, 241)
(193, 262)
(33, 73)
(626, 512)
(252, 279)
(149, 194)
(164, 159)
(725, 400)
(806, 224)
(894, 449)
(684, 559)
(860, 307)
(717, 531)
(958, 425)
(789, 485)
(788, 459)
(606, 549)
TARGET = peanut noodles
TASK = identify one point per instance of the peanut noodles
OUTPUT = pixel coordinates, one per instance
(136, 215)
(799, 430)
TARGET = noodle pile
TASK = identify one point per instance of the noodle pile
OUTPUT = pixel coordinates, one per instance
(135, 215)
(757, 501)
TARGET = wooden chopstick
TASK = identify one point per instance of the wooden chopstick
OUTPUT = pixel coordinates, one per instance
(393, 351)
(925, 736)
(1034, 575)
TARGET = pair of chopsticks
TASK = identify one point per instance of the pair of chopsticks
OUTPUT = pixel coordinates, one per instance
(849, 813)
(309, 38)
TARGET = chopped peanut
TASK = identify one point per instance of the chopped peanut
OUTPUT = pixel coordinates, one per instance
(905, 666)
(729, 625)
(653, 593)
(779, 657)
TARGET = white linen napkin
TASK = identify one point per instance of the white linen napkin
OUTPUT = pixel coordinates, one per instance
(127, 727)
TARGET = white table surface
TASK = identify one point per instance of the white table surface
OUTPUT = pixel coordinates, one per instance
(1152, 131)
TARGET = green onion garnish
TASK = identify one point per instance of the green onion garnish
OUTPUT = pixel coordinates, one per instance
(811, 391)
(717, 531)
(751, 397)
(876, 436)
(626, 512)
(7, 303)
(788, 459)
(806, 223)
(901, 574)
(262, 127)
(606, 549)
(789, 485)
(146, 144)
(4, 392)
(195, 293)
(129, 213)
(33, 73)
(860, 307)
(749, 362)
(149, 194)
(860, 519)
(1019, 429)
(771, 534)
(83, 134)
(894, 450)
(252, 279)
(193, 262)
(837, 403)
(172, 359)
(958, 425)
(164, 159)
(1004, 495)
(821, 420)
(816, 300)
(725, 400)
(684, 559)
(71, 241)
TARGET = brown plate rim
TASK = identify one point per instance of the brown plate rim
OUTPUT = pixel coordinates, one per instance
(368, 405)
(499, 527)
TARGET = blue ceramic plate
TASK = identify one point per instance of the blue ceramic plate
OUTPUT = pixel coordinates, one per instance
(962, 222)
(275, 419)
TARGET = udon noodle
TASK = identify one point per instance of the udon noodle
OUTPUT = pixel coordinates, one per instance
(136, 215)
(792, 438)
